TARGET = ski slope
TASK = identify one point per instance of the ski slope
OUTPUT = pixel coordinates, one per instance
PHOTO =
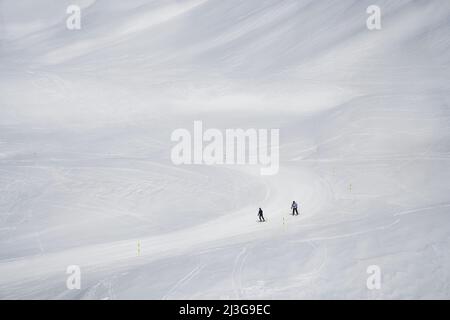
(85, 171)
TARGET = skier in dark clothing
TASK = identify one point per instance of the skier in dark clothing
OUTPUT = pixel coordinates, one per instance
(294, 208)
(260, 215)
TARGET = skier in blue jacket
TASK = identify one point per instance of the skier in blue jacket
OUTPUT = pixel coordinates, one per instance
(294, 208)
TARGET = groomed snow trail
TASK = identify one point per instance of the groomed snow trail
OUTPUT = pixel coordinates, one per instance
(86, 177)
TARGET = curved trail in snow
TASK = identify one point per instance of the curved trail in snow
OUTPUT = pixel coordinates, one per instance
(236, 227)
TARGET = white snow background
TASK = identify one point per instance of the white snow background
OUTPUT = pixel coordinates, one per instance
(86, 175)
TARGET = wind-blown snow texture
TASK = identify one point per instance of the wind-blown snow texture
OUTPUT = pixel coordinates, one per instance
(86, 175)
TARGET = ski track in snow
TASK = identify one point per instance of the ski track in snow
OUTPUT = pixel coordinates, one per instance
(191, 275)
(237, 272)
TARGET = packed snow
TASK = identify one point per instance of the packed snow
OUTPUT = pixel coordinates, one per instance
(86, 176)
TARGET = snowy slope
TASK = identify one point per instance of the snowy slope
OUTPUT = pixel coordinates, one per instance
(86, 177)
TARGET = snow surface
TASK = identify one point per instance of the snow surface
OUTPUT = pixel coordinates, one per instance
(85, 171)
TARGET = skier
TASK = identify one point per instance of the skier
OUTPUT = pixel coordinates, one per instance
(260, 215)
(294, 208)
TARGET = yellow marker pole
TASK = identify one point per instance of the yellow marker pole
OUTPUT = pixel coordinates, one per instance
(139, 248)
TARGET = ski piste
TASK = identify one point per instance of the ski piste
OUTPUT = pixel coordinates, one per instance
(139, 138)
